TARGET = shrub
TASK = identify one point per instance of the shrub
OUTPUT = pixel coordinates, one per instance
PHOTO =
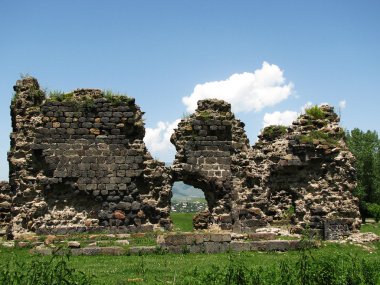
(315, 112)
(274, 131)
(324, 138)
(374, 211)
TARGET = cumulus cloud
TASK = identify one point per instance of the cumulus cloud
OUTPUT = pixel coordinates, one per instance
(306, 106)
(279, 118)
(342, 104)
(246, 91)
(158, 140)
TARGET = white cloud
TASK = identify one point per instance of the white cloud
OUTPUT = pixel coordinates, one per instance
(246, 91)
(158, 140)
(285, 118)
(306, 106)
(342, 104)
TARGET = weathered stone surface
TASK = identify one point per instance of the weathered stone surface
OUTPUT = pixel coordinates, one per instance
(275, 245)
(239, 246)
(111, 250)
(5, 207)
(73, 244)
(79, 162)
(262, 236)
(300, 175)
(122, 242)
(142, 249)
(363, 238)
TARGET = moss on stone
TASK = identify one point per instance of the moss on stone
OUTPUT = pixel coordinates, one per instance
(204, 115)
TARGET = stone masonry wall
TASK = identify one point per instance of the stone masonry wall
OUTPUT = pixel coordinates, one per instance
(301, 175)
(5, 207)
(79, 161)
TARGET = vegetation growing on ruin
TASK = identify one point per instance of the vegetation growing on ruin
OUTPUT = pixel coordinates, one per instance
(116, 99)
(38, 95)
(85, 103)
(204, 115)
(274, 131)
(322, 137)
(59, 96)
(315, 112)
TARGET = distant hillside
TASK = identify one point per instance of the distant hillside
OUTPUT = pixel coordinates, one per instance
(185, 192)
(182, 191)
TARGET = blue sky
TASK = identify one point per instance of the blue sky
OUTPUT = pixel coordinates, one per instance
(159, 51)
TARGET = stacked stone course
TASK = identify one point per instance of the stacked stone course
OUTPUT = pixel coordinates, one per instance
(302, 175)
(78, 163)
(81, 163)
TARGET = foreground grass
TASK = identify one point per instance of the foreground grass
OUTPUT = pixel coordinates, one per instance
(193, 268)
(332, 263)
(371, 227)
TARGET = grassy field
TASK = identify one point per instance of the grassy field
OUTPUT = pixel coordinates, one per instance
(176, 269)
(332, 263)
(182, 222)
(371, 227)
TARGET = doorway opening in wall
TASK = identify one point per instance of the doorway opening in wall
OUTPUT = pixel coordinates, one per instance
(185, 203)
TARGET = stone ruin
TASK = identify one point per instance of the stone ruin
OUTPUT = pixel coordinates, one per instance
(78, 163)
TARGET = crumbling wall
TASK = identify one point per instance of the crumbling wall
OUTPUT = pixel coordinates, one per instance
(5, 207)
(309, 174)
(78, 161)
(301, 175)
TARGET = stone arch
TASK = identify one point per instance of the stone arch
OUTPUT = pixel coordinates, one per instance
(206, 143)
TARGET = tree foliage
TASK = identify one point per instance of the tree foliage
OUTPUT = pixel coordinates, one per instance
(365, 148)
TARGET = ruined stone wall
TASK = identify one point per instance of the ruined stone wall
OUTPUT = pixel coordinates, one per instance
(5, 207)
(301, 175)
(78, 161)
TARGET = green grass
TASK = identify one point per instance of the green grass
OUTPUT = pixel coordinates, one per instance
(322, 137)
(274, 131)
(215, 268)
(182, 221)
(315, 112)
(371, 227)
(330, 264)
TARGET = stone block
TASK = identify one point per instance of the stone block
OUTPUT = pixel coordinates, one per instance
(196, 248)
(175, 239)
(239, 246)
(111, 250)
(142, 250)
(262, 236)
(212, 247)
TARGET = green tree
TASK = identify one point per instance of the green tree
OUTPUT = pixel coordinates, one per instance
(365, 148)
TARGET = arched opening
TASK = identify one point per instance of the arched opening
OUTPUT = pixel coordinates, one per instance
(186, 202)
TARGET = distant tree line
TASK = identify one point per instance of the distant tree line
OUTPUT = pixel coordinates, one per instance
(365, 147)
